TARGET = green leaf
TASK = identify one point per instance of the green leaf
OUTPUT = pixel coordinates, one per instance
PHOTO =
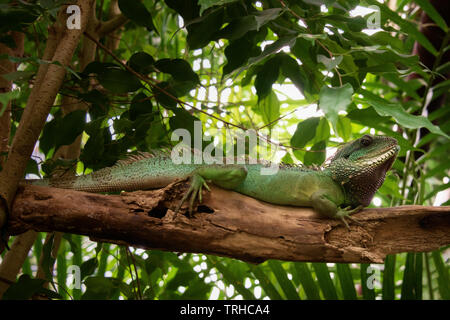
(428, 7)
(137, 12)
(408, 283)
(367, 293)
(103, 288)
(265, 16)
(344, 128)
(16, 18)
(269, 107)
(179, 69)
(141, 62)
(307, 281)
(88, 267)
(268, 50)
(290, 69)
(386, 108)
(286, 285)
(140, 105)
(346, 280)
(316, 155)
(329, 63)
(118, 80)
(443, 275)
(231, 278)
(305, 132)
(6, 97)
(333, 100)
(388, 291)
(205, 4)
(266, 283)
(325, 282)
(183, 120)
(405, 25)
(24, 288)
(32, 167)
(48, 260)
(204, 29)
(18, 75)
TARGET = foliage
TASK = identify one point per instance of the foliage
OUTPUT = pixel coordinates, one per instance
(303, 71)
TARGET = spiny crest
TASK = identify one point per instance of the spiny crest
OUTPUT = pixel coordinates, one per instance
(141, 155)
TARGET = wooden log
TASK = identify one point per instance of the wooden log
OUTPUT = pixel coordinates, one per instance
(229, 224)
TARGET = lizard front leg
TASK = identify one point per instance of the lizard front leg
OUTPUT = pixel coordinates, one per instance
(225, 176)
(325, 205)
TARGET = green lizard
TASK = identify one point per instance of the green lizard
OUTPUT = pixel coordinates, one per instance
(343, 186)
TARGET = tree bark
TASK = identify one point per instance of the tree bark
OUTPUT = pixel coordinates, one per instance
(230, 224)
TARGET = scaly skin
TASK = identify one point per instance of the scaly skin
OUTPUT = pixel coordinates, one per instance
(342, 187)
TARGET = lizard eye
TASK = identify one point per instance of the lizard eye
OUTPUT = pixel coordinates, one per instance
(366, 140)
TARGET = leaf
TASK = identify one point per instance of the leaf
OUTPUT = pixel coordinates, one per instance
(367, 293)
(141, 62)
(140, 105)
(344, 127)
(179, 69)
(329, 63)
(32, 167)
(443, 275)
(183, 120)
(265, 283)
(428, 7)
(286, 285)
(103, 288)
(290, 69)
(204, 29)
(137, 12)
(88, 267)
(388, 291)
(48, 260)
(206, 4)
(18, 75)
(60, 132)
(346, 280)
(70, 127)
(333, 100)
(386, 108)
(268, 50)
(230, 277)
(305, 132)
(6, 97)
(307, 281)
(408, 283)
(118, 80)
(406, 26)
(316, 155)
(325, 282)
(24, 288)
(270, 109)
(16, 18)
(238, 28)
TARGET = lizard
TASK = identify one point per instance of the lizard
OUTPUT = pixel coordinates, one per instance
(341, 187)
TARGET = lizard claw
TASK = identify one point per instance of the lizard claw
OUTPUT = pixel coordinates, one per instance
(194, 192)
(345, 214)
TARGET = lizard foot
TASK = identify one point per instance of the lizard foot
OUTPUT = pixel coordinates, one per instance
(345, 213)
(194, 192)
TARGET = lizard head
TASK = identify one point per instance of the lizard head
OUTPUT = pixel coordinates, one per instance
(361, 166)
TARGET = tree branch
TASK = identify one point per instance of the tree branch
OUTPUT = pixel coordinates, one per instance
(229, 224)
